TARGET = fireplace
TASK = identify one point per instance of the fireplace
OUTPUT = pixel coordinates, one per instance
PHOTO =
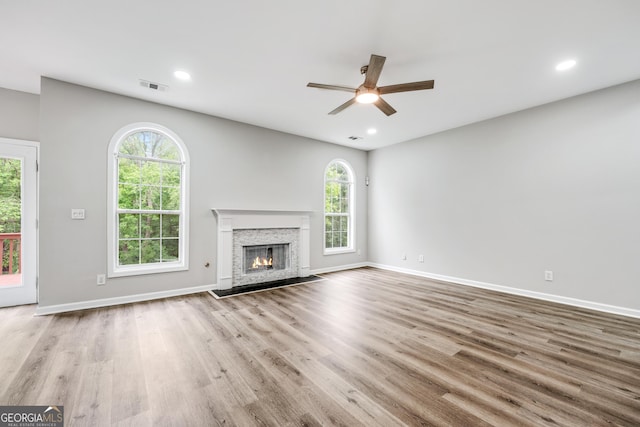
(278, 239)
(257, 258)
(264, 255)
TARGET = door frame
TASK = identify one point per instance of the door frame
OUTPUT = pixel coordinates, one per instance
(35, 145)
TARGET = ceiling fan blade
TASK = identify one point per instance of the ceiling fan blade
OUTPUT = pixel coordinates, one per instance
(384, 107)
(373, 71)
(406, 87)
(331, 87)
(343, 106)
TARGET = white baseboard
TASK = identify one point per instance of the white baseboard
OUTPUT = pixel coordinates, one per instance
(622, 311)
(340, 268)
(84, 305)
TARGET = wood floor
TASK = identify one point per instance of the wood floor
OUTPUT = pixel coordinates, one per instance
(365, 347)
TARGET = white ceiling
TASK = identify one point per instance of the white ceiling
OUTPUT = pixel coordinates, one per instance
(250, 60)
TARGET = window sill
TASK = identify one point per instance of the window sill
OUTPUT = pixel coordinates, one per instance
(148, 269)
(339, 251)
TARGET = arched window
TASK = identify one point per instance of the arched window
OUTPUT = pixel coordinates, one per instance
(148, 201)
(339, 207)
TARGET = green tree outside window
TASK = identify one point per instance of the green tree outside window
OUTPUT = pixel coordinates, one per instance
(149, 199)
(338, 206)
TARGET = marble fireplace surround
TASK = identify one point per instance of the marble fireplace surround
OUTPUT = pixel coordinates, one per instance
(246, 219)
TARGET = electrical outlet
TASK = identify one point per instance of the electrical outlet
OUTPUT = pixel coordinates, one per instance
(77, 213)
(101, 279)
(404, 257)
(548, 276)
(420, 258)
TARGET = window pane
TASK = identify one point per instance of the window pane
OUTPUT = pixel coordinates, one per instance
(150, 144)
(150, 141)
(156, 197)
(150, 226)
(336, 240)
(170, 225)
(170, 198)
(150, 251)
(344, 205)
(164, 148)
(336, 223)
(129, 252)
(328, 241)
(331, 172)
(344, 223)
(10, 207)
(128, 196)
(132, 145)
(129, 225)
(338, 205)
(128, 171)
(169, 250)
(337, 172)
(344, 240)
(150, 173)
(150, 198)
(335, 204)
(328, 224)
(327, 198)
(171, 175)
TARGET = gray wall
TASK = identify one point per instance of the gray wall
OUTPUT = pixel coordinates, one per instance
(233, 165)
(19, 115)
(551, 188)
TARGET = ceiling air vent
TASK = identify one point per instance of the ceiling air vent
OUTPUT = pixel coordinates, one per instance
(355, 138)
(153, 86)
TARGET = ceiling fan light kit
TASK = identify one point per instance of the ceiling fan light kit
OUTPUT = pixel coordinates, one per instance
(366, 96)
(368, 92)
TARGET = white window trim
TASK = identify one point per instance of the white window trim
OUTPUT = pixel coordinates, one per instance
(113, 270)
(352, 203)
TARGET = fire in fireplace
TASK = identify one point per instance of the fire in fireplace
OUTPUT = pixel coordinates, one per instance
(262, 263)
(259, 258)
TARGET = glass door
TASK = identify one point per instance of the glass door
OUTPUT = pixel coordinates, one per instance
(18, 226)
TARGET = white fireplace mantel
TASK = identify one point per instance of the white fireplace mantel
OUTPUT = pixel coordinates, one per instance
(237, 219)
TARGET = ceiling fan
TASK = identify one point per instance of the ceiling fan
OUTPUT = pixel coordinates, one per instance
(368, 92)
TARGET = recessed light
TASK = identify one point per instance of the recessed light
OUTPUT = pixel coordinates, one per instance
(182, 75)
(566, 65)
(372, 131)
